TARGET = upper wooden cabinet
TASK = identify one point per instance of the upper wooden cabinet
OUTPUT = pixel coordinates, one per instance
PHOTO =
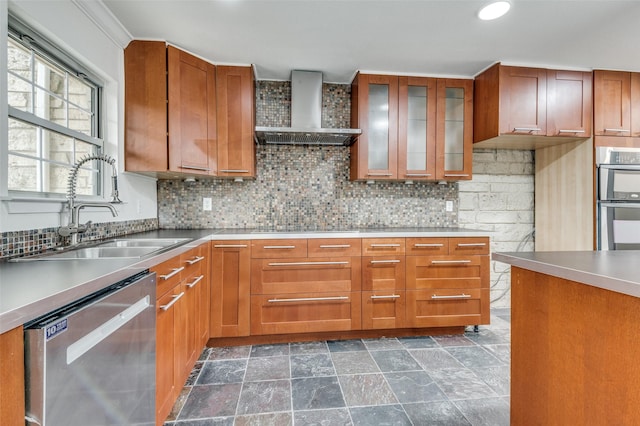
(185, 116)
(526, 108)
(413, 128)
(616, 107)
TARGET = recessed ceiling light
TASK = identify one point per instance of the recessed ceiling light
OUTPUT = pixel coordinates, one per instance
(494, 10)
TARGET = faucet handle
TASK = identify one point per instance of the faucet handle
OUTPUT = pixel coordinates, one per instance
(83, 228)
(65, 231)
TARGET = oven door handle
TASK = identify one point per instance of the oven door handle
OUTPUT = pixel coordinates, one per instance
(619, 204)
(630, 167)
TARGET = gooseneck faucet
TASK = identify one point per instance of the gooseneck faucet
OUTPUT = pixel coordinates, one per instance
(74, 228)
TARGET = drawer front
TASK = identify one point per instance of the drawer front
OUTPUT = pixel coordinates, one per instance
(382, 246)
(297, 275)
(447, 272)
(468, 246)
(193, 262)
(427, 246)
(272, 249)
(383, 309)
(383, 273)
(326, 247)
(305, 312)
(445, 307)
(169, 273)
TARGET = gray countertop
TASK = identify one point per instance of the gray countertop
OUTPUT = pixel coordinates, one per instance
(29, 290)
(617, 271)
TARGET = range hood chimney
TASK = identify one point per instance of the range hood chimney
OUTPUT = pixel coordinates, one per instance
(306, 117)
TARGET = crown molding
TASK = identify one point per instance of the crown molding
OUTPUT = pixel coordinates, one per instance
(105, 20)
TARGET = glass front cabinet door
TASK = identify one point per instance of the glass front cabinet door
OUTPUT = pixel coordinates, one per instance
(454, 147)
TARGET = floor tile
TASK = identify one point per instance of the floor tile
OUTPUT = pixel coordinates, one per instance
(312, 365)
(453, 340)
(488, 411)
(354, 363)
(366, 389)
(308, 348)
(314, 393)
(442, 413)
(395, 360)
(418, 342)
(269, 350)
(218, 421)
(177, 406)
(497, 323)
(331, 417)
(379, 415)
(414, 386)
(204, 355)
(496, 377)
(474, 357)
(219, 372)
(434, 359)
(346, 345)
(268, 368)
(461, 384)
(230, 352)
(269, 419)
(380, 344)
(211, 401)
(488, 337)
(502, 352)
(195, 372)
(265, 397)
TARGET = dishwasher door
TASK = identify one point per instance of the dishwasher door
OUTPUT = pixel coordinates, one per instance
(93, 363)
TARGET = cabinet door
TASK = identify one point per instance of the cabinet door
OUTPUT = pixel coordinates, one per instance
(612, 103)
(192, 138)
(446, 307)
(635, 104)
(235, 121)
(416, 128)
(184, 335)
(374, 155)
(165, 353)
(454, 272)
(230, 286)
(569, 103)
(523, 101)
(383, 310)
(204, 297)
(454, 137)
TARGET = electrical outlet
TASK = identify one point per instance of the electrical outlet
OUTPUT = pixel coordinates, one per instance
(138, 207)
(206, 204)
(448, 205)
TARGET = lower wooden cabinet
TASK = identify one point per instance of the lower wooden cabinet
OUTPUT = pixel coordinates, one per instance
(445, 307)
(383, 309)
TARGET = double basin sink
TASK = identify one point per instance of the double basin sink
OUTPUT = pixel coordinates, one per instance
(111, 249)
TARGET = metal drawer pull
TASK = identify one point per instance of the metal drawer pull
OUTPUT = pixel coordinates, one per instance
(307, 263)
(229, 246)
(309, 299)
(435, 262)
(233, 171)
(391, 296)
(456, 175)
(379, 174)
(196, 281)
(471, 244)
(176, 297)
(171, 274)
(616, 130)
(570, 131)
(527, 129)
(455, 296)
(278, 247)
(417, 174)
(385, 261)
(335, 246)
(196, 260)
(429, 245)
(385, 245)
(204, 169)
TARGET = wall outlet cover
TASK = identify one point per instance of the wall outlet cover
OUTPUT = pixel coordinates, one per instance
(206, 204)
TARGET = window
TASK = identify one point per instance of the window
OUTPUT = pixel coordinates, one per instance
(53, 117)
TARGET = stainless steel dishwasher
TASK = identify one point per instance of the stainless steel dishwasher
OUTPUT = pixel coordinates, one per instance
(93, 362)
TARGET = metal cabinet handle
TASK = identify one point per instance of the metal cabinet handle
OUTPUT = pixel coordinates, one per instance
(527, 129)
(196, 281)
(385, 261)
(204, 169)
(171, 274)
(233, 171)
(471, 244)
(385, 245)
(455, 296)
(456, 175)
(616, 130)
(570, 131)
(229, 246)
(196, 260)
(278, 247)
(428, 245)
(308, 299)
(176, 297)
(335, 245)
(417, 174)
(391, 296)
(306, 263)
(452, 262)
(379, 174)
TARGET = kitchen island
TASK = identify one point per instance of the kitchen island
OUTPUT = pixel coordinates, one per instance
(574, 344)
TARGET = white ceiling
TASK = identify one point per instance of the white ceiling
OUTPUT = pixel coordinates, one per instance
(422, 37)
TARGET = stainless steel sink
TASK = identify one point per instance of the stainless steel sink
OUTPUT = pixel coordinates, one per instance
(139, 242)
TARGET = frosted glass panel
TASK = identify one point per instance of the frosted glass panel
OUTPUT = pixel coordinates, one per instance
(417, 128)
(378, 126)
(454, 129)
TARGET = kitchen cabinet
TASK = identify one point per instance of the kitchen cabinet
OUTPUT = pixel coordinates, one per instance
(12, 402)
(166, 387)
(528, 108)
(230, 288)
(616, 109)
(413, 128)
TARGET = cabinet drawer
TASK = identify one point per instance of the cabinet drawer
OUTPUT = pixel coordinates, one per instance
(169, 273)
(193, 262)
(445, 307)
(271, 249)
(296, 275)
(427, 246)
(305, 312)
(324, 247)
(383, 309)
(382, 246)
(383, 272)
(447, 272)
(468, 246)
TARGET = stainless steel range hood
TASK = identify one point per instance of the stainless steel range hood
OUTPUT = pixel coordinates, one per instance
(306, 117)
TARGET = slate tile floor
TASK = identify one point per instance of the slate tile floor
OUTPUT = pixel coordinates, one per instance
(439, 380)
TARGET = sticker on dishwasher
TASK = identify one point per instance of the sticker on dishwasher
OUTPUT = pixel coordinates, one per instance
(54, 329)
